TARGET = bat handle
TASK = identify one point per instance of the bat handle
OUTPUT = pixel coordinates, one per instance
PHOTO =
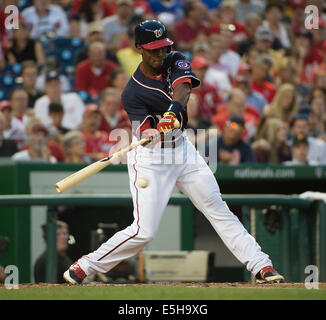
(176, 123)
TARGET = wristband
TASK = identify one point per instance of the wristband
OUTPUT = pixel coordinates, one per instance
(175, 107)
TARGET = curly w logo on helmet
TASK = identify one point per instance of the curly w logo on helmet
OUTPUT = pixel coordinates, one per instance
(158, 33)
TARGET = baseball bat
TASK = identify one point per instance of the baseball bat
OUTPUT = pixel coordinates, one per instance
(97, 166)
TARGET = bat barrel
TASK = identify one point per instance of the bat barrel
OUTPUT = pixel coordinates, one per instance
(81, 175)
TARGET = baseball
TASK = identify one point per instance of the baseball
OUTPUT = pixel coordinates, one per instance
(142, 182)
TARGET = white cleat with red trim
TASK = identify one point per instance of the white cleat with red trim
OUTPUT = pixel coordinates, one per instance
(75, 274)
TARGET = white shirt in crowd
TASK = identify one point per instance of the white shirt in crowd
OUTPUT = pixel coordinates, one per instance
(73, 108)
(16, 132)
(65, 84)
(317, 151)
(282, 35)
(25, 156)
(218, 79)
(229, 62)
(56, 21)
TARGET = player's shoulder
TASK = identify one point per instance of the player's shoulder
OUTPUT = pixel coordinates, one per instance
(130, 90)
(176, 59)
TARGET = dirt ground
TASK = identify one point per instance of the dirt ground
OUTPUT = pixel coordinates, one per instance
(194, 284)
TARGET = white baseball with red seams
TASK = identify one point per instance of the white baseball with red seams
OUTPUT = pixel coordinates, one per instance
(185, 168)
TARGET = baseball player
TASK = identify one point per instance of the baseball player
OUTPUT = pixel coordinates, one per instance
(156, 95)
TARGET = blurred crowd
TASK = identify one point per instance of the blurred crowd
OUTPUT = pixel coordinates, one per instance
(262, 72)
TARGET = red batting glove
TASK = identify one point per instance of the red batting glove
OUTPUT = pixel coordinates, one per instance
(167, 122)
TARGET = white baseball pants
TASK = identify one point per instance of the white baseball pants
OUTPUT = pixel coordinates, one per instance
(184, 167)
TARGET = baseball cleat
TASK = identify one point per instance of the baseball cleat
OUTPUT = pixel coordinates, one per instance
(268, 275)
(75, 274)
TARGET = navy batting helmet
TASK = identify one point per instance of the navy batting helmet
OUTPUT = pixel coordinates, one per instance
(152, 34)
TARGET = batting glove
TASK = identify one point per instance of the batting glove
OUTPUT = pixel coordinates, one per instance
(167, 122)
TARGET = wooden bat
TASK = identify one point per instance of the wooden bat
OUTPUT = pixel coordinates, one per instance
(97, 166)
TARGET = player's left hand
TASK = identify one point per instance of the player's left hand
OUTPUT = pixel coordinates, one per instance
(167, 122)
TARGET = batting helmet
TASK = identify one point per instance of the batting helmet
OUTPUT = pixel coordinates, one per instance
(152, 34)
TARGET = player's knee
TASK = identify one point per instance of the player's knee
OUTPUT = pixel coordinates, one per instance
(146, 236)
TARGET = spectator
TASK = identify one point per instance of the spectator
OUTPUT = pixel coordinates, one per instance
(298, 15)
(118, 79)
(56, 113)
(231, 149)
(129, 58)
(44, 18)
(274, 14)
(97, 142)
(172, 7)
(72, 104)
(318, 35)
(317, 148)
(265, 41)
(73, 145)
(208, 98)
(321, 66)
(13, 129)
(37, 149)
(226, 60)
(23, 48)
(2, 58)
(288, 73)
(92, 74)
(90, 11)
(236, 106)
(270, 144)
(308, 111)
(7, 147)
(63, 261)
(217, 78)
(19, 101)
(95, 34)
(112, 117)
(250, 57)
(284, 105)
(201, 49)
(320, 4)
(320, 80)
(300, 149)
(116, 26)
(260, 72)
(307, 57)
(247, 7)
(318, 106)
(29, 77)
(191, 29)
(228, 22)
(52, 63)
(253, 22)
(195, 122)
(254, 98)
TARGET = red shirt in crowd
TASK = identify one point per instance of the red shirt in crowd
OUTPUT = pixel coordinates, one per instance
(250, 116)
(100, 144)
(87, 80)
(184, 32)
(208, 100)
(122, 122)
(310, 62)
(266, 88)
